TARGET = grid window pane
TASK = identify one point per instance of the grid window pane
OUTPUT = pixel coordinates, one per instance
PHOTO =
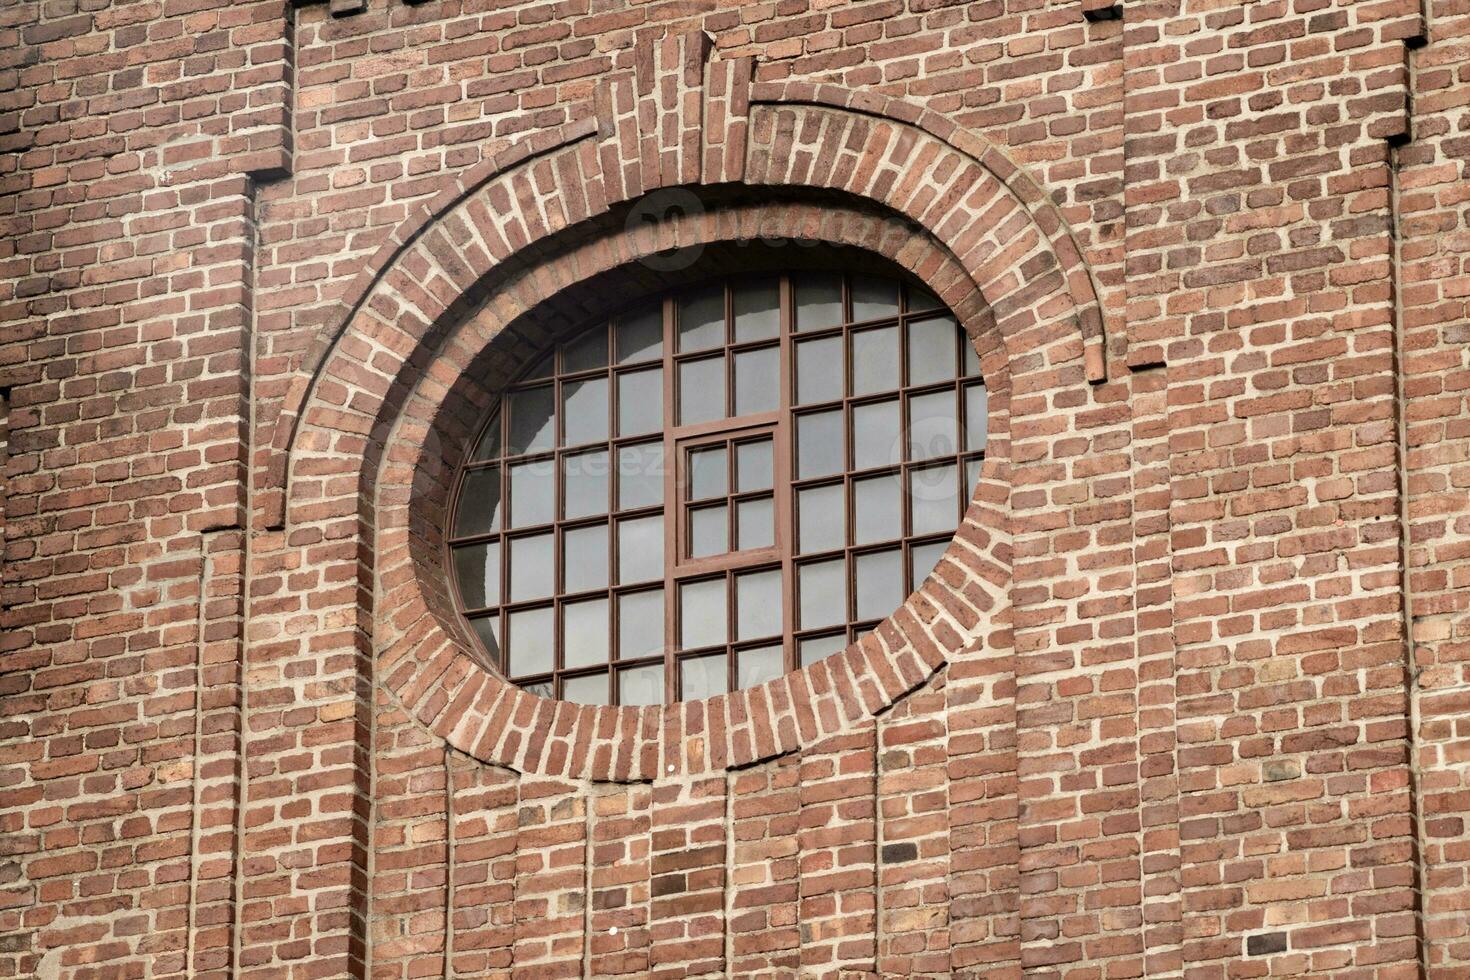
(921, 299)
(821, 518)
(641, 685)
(640, 335)
(641, 549)
(585, 688)
(818, 300)
(542, 689)
(873, 297)
(640, 402)
(640, 475)
(820, 647)
(823, 588)
(702, 620)
(877, 509)
(976, 417)
(708, 473)
(585, 484)
(702, 677)
(923, 558)
(640, 624)
(532, 493)
(818, 370)
(758, 666)
(701, 390)
(586, 353)
(758, 604)
(934, 498)
(757, 381)
(584, 633)
(531, 641)
(532, 567)
(584, 411)
(932, 351)
(477, 567)
(753, 465)
(585, 555)
(933, 428)
(757, 309)
(875, 360)
(489, 445)
(819, 442)
(532, 420)
(479, 503)
(701, 314)
(709, 531)
(876, 436)
(487, 628)
(879, 584)
(755, 523)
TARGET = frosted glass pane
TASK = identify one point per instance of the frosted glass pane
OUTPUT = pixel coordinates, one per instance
(532, 420)
(586, 352)
(640, 402)
(584, 633)
(532, 493)
(934, 498)
(587, 689)
(876, 435)
(640, 624)
(877, 509)
(702, 318)
(758, 604)
(818, 301)
(923, 558)
(879, 584)
(702, 614)
(531, 642)
(932, 350)
(641, 685)
(709, 531)
(479, 503)
(820, 516)
(585, 556)
(701, 390)
(758, 666)
(819, 444)
(873, 298)
(641, 549)
(639, 335)
(702, 677)
(708, 473)
(757, 309)
(585, 484)
(975, 417)
(757, 381)
(584, 411)
(477, 568)
(933, 427)
(532, 567)
(818, 370)
(819, 647)
(640, 475)
(823, 593)
(875, 361)
(753, 465)
(754, 524)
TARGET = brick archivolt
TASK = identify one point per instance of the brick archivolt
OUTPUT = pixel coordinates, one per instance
(434, 303)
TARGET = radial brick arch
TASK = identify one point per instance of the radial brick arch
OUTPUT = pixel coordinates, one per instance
(426, 657)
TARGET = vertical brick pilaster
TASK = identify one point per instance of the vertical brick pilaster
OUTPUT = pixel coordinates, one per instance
(483, 848)
(619, 882)
(551, 878)
(688, 869)
(761, 907)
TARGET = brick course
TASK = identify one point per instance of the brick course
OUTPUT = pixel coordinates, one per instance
(1186, 697)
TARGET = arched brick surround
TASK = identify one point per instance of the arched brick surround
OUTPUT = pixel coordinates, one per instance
(990, 244)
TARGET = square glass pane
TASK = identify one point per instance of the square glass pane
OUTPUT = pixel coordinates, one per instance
(641, 685)
(640, 475)
(702, 614)
(584, 411)
(976, 417)
(641, 549)
(702, 390)
(709, 473)
(753, 465)
(702, 677)
(819, 370)
(875, 361)
(701, 314)
(879, 579)
(757, 309)
(921, 299)
(818, 300)
(758, 666)
(587, 352)
(477, 569)
(532, 420)
(934, 494)
(531, 642)
(487, 628)
(876, 437)
(923, 558)
(532, 567)
(586, 689)
(933, 427)
(585, 557)
(533, 493)
(933, 350)
(640, 624)
(709, 531)
(817, 648)
(489, 445)
(757, 381)
(758, 604)
(755, 523)
(640, 402)
(877, 509)
(873, 298)
(639, 335)
(584, 484)
(819, 444)
(542, 689)
(823, 593)
(478, 511)
(584, 633)
(821, 518)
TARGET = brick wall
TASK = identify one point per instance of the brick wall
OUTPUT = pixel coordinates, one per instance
(1187, 697)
